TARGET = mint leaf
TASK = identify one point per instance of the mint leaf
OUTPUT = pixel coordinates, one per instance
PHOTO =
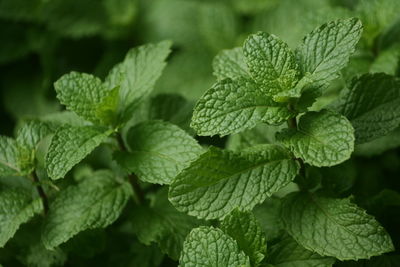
(9, 157)
(268, 214)
(379, 145)
(137, 74)
(70, 145)
(86, 95)
(32, 132)
(334, 227)
(271, 63)
(288, 253)
(321, 139)
(208, 246)
(243, 227)
(158, 151)
(230, 63)
(16, 208)
(326, 50)
(372, 104)
(231, 106)
(96, 202)
(163, 224)
(219, 181)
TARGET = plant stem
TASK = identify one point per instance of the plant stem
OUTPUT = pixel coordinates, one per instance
(292, 123)
(41, 192)
(133, 179)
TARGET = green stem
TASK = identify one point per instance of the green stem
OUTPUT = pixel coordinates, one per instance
(41, 192)
(292, 123)
(133, 179)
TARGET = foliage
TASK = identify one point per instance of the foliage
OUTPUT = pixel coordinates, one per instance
(200, 133)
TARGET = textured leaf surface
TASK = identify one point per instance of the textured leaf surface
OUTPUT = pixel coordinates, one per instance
(16, 208)
(271, 62)
(208, 246)
(69, 146)
(86, 95)
(158, 151)
(9, 157)
(334, 227)
(288, 253)
(326, 50)
(230, 63)
(219, 181)
(231, 106)
(138, 73)
(372, 104)
(163, 224)
(32, 132)
(321, 139)
(96, 202)
(243, 227)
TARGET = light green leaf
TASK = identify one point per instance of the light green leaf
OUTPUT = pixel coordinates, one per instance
(32, 132)
(243, 227)
(334, 227)
(163, 224)
(86, 95)
(288, 253)
(372, 104)
(93, 203)
(231, 106)
(230, 63)
(204, 246)
(321, 139)
(16, 208)
(158, 151)
(271, 63)
(326, 50)
(220, 181)
(9, 157)
(138, 73)
(70, 145)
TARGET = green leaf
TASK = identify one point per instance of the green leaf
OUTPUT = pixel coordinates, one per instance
(271, 63)
(321, 139)
(70, 145)
(9, 157)
(163, 224)
(204, 246)
(137, 74)
(158, 151)
(173, 108)
(379, 145)
(231, 106)
(334, 227)
(268, 214)
(230, 63)
(32, 132)
(243, 227)
(219, 181)
(16, 208)
(86, 95)
(326, 50)
(94, 203)
(288, 253)
(372, 104)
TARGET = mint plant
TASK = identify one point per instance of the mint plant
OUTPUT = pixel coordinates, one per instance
(266, 82)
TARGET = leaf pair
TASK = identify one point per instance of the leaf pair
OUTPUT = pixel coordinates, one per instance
(17, 156)
(240, 240)
(258, 80)
(107, 105)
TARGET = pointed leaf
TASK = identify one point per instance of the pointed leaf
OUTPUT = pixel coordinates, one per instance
(321, 139)
(219, 181)
(334, 227)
